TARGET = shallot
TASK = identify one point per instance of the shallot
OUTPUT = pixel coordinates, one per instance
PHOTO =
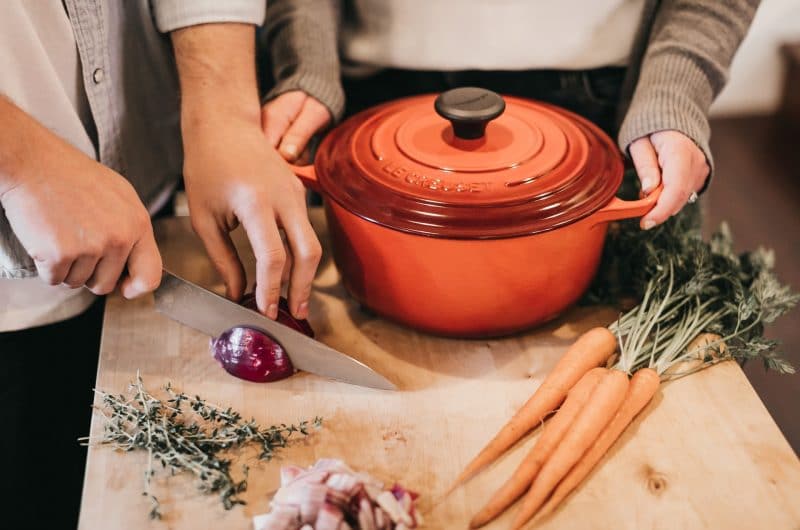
(331, 496)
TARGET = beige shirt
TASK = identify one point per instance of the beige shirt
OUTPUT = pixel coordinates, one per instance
(101, 76)
(490, 34)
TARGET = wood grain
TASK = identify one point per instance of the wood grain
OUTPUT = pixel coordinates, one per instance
(705, 454)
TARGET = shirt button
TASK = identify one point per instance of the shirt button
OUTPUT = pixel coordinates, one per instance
(98, 76)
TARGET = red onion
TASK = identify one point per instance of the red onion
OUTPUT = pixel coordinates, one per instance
(250, 353)
(330, 493)
(284, 315)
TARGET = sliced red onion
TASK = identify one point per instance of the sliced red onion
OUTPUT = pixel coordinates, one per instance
(284, 315)
(331, 496)
(250, 353)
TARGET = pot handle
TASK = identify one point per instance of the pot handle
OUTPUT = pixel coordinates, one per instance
(307, 175)
(619, 209)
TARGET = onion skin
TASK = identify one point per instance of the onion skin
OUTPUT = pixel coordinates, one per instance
(250, 353)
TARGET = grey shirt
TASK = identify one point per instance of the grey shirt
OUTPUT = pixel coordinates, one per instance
(102, 76)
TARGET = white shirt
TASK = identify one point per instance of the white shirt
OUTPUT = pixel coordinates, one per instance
(58, 102)
(101, 76)
(490, 34)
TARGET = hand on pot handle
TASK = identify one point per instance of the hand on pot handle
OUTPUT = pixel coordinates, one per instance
(290, 120)
(671, 158)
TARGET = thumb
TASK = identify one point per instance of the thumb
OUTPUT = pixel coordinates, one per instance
(277, 115)
(144, 268)
(645, 160)
(312, 118)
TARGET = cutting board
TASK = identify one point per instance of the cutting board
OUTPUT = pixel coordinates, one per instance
(705, 454)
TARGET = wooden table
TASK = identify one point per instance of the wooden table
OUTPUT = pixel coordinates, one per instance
(705, 454)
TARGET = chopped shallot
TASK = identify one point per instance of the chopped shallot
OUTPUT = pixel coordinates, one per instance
(331, 496)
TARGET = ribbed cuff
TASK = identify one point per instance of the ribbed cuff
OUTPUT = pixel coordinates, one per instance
(673, 93)
(176, 14)
(329, 92)
(301, 43)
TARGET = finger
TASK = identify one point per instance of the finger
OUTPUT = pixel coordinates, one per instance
(305, 157)
(645, 160)
(223, 255)
(107, 272)
(278, 114)
(144, 268)
(312, 118)
(678, 186)
(306, 253)
(53, 272)
(702, 170)
(81, 270)
(287, 267)
(262, 231)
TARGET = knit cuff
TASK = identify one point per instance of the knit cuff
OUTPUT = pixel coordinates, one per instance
(327, 91)
(300, 40)
(673, 93)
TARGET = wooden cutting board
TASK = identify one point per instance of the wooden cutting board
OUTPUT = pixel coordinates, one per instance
(705, 454)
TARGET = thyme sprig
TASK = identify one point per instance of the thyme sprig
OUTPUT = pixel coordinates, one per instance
(187, 434)
(687, 287)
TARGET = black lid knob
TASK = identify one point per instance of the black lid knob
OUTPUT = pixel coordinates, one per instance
(469, 110)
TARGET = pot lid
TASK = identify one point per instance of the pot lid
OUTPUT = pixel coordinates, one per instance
(469, 164)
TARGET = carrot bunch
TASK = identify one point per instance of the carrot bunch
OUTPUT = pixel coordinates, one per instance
(701, 303)
(596, 405)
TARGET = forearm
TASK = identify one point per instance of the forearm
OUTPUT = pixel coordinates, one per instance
(216, 67)
(23, 143)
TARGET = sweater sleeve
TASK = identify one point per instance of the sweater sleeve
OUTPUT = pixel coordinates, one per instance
(685, 66)
(300, 39)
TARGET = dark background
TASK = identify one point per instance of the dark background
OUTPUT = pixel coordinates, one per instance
(757, 190)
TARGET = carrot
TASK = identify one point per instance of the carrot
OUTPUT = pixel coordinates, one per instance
(591, 349)
(601, 408)
(644, 384)
(552, 434)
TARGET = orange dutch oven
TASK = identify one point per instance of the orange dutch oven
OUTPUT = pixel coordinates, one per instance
(468, 214)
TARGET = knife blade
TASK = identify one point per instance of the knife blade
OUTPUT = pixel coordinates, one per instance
(210, 313)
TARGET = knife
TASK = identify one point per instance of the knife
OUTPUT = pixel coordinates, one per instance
(212, 314)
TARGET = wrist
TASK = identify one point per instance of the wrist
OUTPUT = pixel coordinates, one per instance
(23, 143)
(216, 68)
(11, 169)
(212, 113)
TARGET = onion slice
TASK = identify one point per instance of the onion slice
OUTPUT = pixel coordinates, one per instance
(331, 495)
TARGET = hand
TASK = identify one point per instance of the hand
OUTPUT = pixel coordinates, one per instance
(81, 222)
(673, 158)
(290, 120)
(232, 176)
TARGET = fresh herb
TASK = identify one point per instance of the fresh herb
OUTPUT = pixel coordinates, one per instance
(688, 287)
(187, 434)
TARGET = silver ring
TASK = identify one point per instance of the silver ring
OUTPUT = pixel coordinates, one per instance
(692, 198)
